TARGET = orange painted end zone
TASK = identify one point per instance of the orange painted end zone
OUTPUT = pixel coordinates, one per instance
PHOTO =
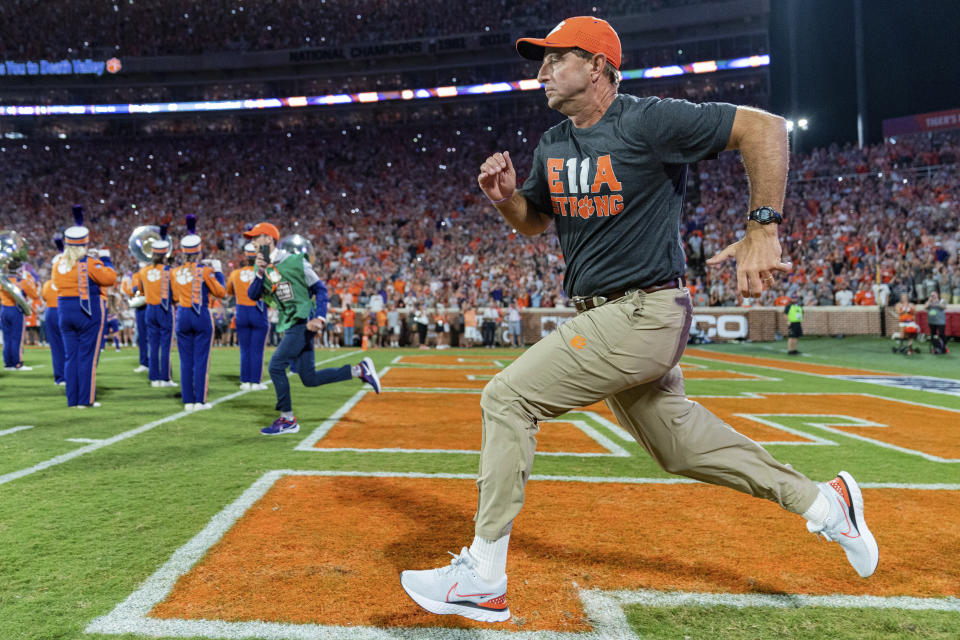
(416, 378)
(435, 421)
(792, 365)
(463, 361)
(459, 378)
(754, 430)
(330, 550)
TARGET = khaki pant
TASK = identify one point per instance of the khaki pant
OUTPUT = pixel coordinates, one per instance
(625, 352)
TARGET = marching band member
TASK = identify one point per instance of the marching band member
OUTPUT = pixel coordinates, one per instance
(12, 318)
(193, 284)
(252, 323)
(133, 287)
(155, 279)
(51, 321)
(78, 277)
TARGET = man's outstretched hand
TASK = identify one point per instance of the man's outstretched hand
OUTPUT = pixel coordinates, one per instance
(758, 259)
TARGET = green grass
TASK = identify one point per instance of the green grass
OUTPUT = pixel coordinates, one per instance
(856, 352)
(77, 538)
(754, 623)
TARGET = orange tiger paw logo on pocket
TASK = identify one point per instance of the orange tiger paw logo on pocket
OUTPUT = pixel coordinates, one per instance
(578, 342)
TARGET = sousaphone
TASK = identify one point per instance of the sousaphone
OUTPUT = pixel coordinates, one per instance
(12, 247)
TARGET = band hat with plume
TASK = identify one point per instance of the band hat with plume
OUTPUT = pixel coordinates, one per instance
(162, 246)
(77, 234)
(191, 242)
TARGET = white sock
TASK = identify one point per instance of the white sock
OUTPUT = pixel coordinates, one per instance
(491, 557)
(818, 511)
(286, 415)
(355, 370)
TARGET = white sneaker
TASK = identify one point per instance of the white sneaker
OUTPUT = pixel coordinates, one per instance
(245, 386)
(156, 383)
(189, 406)
(846, 524)
(62, 383)
(168, 383)
(141, 369)
(21, 368)
(204, 405)
(457, 589)
(258, 386)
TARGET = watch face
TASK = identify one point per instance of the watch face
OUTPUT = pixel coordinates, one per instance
(765, 215)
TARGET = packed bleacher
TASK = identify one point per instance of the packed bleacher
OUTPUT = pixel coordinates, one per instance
(393, 208)
(31, 29)
(853, 216)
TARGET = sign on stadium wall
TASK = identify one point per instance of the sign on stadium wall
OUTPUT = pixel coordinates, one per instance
(719, 324)
(933, 121)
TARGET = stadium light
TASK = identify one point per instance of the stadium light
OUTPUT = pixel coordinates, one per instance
(794, 127)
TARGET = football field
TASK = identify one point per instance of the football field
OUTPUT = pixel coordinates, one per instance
(136, 519)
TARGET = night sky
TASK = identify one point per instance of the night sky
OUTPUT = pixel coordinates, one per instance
(912, 55)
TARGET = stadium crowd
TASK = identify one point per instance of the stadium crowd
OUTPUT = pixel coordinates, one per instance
(395, 217)
(30, 29)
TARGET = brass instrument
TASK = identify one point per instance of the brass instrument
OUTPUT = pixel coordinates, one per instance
(140, 243)
(141, 240)
(296, 243)
(12, 247)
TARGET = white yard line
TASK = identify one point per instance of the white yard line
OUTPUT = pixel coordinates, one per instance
(7, 432)
(603, 608)
(811, 440)
(94, 446)
(76, 453)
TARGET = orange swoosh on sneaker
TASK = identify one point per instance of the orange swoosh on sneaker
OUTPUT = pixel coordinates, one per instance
(453, 589)
(849, 526)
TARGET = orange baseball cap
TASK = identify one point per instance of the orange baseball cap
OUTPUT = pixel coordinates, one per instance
(584, 32)
(263, 229)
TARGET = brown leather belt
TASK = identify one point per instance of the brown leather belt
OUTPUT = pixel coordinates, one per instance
(586, 303)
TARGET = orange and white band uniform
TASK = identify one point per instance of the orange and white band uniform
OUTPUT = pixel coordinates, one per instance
(193, 284)
(13, 320)
(82, 311)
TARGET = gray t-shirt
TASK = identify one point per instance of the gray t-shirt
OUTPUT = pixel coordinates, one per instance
(615, 190)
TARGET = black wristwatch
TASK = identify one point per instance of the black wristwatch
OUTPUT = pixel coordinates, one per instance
(765, 215)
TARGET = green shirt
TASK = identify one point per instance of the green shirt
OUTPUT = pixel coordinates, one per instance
(288, 292)
(794, 313)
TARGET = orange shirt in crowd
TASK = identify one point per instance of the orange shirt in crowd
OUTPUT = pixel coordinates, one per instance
(864, 297)
(349, 317)
(50, 294)
(381, 318)
(27, 285)
(237, 285)
(781, 301)
(181, 281)
(151, 277)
